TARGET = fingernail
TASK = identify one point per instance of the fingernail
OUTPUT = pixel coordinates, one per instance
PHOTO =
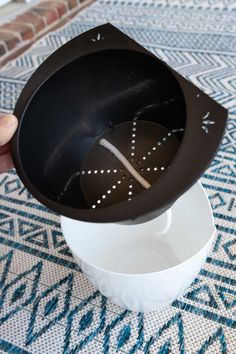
(8, 120)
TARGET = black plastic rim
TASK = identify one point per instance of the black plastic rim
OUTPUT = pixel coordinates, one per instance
(197, 149)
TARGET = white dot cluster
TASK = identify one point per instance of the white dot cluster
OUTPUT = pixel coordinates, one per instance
(107, 194)
(158, 144)
(133, 137)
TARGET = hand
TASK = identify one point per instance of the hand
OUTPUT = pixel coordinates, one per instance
(8, 125)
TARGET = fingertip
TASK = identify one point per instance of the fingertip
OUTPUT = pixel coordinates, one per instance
(8, 126)
(8, 120)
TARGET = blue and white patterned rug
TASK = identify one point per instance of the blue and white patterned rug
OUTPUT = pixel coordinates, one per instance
(46, 304)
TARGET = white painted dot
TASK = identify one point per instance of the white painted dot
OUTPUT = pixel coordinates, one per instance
(130, 186)
(159, 143)
(162, 168)
(155, 168)
(130, 193)
(108, 171)
(144, 158)
(132, 147)
(114, 171)
(133, 141)
(132, 153)
(169, 134)
(98, 201)
(148, 169)
(89, 172)
(95, 171)
(83, 172)
(164, 139)
(154, 148)
(134, 123)
(119, 182)
(114, 187)
(134, 129)
(109, 191)
(102, 171)
(129, 199)
(103, 196)
(149, 153)
(133, 135)
(93, 206)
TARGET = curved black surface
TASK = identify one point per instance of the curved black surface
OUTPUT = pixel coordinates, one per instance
(97, 81)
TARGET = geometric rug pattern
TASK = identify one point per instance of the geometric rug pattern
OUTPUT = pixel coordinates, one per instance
(46, 304)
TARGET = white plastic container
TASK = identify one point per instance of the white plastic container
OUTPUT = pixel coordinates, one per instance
(137, 266)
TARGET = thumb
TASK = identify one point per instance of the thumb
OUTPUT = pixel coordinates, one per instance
(8, 125)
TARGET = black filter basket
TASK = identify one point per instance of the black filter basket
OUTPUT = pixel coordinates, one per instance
(103, 85)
